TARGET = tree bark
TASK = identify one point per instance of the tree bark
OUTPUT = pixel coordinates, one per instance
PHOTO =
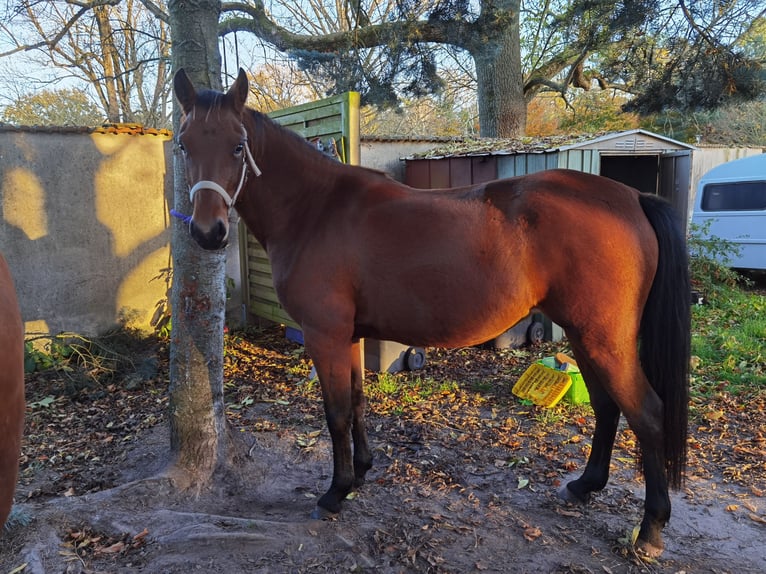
(200, 440)
(500, 82)
(101, 14)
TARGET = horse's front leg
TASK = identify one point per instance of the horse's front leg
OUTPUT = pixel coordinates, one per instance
(333, 362)
(362, 455)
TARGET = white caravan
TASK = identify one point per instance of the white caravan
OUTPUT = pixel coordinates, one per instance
(732, 196)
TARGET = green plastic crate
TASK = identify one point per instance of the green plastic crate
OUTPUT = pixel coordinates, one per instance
(577, 393)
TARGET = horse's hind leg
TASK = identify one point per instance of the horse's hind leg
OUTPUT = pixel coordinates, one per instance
(645, 418)
(617, 383)
(362, 455)
(607, 414)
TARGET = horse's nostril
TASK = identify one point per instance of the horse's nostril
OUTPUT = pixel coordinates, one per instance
(220, 231)
(216, 237)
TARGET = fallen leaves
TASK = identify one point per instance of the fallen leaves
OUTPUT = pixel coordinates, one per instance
(438, 434)
(84, 542)
(307, 440)
(568, 512)
(714, 415)
(756, 518)
(729, 438)
(532, 533)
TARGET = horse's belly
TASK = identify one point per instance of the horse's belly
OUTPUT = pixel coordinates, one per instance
(456, 312)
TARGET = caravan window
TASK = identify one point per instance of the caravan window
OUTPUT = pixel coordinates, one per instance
(734, 196)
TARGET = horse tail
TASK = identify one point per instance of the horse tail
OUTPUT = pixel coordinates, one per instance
(665, 335)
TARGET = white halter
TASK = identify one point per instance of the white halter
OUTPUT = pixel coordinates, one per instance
(247, 160)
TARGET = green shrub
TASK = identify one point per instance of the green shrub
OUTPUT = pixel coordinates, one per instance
(709, 258)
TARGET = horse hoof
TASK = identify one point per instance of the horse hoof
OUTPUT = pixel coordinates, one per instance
(565, 494)
(320, 513)
(648, 550)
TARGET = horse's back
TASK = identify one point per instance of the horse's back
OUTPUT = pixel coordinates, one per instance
(11, 389)
(594, 248)
(567, 213)
(458, 266)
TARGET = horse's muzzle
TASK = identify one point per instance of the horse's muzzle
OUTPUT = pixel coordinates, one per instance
(216, 237)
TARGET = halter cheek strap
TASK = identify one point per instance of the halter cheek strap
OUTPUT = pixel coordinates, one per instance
(247, 161)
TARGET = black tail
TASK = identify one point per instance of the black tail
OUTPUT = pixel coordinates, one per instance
(666, 332)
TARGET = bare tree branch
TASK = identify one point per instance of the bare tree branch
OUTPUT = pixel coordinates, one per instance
(155, 9)
(696, 27)
(85, 7)
(458, 33)
(102, 43)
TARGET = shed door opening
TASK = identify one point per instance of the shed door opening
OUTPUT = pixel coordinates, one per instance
(666, 175)
(639, 171)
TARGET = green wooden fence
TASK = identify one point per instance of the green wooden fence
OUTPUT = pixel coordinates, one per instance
(332, 121)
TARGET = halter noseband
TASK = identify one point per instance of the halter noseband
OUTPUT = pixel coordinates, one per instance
(247, 160)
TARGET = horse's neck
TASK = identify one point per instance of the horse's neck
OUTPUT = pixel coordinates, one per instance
(289, 193)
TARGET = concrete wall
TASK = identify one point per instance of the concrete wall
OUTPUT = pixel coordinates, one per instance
(84, 226)
(385, 154)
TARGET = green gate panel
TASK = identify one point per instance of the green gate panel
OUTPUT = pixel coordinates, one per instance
(335, 118)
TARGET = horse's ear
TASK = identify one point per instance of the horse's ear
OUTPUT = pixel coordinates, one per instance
(239, 91)
(184, 90)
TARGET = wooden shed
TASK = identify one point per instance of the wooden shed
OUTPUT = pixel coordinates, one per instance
(647, 161)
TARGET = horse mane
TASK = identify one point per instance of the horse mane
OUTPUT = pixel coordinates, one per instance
(263, 124)
(211, 100)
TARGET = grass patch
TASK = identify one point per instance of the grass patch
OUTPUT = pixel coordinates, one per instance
(729, 331)
(386, 384)
(392, 392)
(84, 362)
(729, 343)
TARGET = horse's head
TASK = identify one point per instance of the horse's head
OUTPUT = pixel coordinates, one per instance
(213, 141)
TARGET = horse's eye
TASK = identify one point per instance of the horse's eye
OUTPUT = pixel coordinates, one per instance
(181, 147)
(239, 149)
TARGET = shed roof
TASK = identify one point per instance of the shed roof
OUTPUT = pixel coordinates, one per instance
(636, 140)
(630, 141)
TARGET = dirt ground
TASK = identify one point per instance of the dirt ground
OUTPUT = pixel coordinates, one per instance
(465, 477)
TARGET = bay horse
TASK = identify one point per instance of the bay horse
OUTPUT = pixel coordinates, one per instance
(12, 405)
(355, 254)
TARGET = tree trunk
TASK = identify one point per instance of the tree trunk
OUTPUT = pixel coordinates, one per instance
(106, 38)
(200, 440)
(500, 82)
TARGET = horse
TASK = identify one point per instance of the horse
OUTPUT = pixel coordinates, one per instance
(12, 406)
(355, 254)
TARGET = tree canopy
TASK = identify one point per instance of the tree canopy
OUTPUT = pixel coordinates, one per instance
(706, 54)
(119, 49)
(65, 107)
(661, 54)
